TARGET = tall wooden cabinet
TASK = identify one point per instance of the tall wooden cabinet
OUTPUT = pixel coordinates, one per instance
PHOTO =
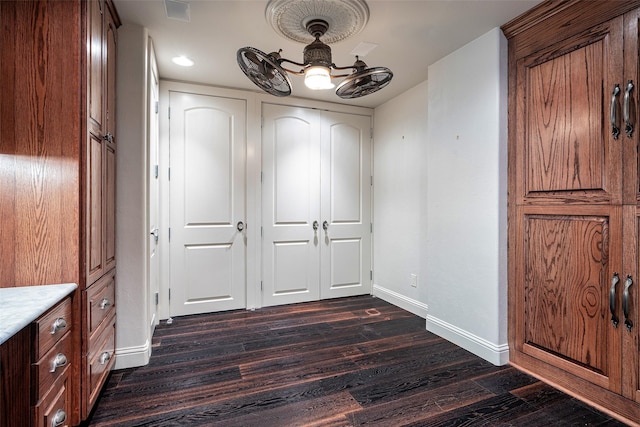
(574, 199)
(57, 169)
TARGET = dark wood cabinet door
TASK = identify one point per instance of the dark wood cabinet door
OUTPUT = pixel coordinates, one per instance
(566, 265)
(566, 152)
(95, 61)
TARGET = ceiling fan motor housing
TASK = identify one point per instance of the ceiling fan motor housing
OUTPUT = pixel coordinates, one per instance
(317, 53)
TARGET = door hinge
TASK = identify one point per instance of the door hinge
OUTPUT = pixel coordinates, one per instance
(371, 227)
(261, 231)
(157, 296)
(261, 286)
(169, 294)
(169, 112)
(371, 133)
(261, 177)
(370, 274)
(157, 107)
(155, 171)
(169, 173)
(371, 180)
(169, 234)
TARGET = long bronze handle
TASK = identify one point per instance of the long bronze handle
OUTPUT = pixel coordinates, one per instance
(626, 113)
(625, 303)
(612, 299)
(615, 130)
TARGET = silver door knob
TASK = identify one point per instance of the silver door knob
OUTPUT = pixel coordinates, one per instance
(240, 226)
(315, 225)
(325, 225)
(154, 233)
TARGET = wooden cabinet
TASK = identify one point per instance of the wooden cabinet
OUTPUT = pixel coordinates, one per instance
(57, 169)
(573, 199)
(51, 357)
(99, 293)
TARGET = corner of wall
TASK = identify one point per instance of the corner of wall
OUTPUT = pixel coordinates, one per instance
(497, 354)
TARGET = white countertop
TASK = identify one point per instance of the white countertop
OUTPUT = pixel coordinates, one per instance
(21, 305)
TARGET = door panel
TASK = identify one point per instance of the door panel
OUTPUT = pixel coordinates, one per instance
(346, 198)
(207, 191)
(568, 151)
(316, 169)
(565, 291)
(290, 204)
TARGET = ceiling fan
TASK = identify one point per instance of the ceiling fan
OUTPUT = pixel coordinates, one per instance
(300, 20)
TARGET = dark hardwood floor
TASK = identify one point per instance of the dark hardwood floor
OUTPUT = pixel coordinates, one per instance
(344, 362)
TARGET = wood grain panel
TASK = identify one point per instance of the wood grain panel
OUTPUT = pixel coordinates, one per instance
(564, 131)
(566, 288)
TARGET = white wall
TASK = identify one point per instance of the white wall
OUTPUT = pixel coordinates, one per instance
(400, 139)
(454, 174)
(133, 340)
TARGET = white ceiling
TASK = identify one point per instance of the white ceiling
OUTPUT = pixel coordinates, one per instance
(410, 36)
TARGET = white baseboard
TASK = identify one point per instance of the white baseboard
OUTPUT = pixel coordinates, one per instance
(498, 354)
(132, 357)
(413, 306)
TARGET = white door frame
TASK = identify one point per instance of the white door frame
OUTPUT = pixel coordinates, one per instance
(253, 178)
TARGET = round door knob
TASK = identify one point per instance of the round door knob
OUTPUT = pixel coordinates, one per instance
(325, 225)
(240, 226)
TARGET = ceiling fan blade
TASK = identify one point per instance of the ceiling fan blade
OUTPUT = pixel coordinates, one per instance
(264, 71)
(364, 82)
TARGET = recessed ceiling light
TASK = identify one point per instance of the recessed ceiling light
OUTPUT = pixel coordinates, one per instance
(182, 61)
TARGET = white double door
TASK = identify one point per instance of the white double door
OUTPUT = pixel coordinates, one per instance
(316, 197)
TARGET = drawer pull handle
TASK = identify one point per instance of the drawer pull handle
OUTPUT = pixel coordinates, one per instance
(59, 361)
(59, 418)
(105, 357)
(58, 324)
(104, 304)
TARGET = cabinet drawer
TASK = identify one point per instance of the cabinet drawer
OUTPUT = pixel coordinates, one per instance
(100, 360)
(51, 367)
(55, 408)
(51, 327)
(100, 302)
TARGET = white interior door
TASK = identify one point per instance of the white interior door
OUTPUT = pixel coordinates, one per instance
(316, 204)
(346, 200)
(290, 204)
(154, 195)
(207, 149)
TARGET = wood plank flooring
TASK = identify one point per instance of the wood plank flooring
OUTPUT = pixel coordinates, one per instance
(345, 362)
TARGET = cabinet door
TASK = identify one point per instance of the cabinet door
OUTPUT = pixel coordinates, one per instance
(95, 220)
(628, 299)
(566, 260)
(564, 94)
(95, 61)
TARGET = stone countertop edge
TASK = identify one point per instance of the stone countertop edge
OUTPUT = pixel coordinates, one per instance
(21, 305)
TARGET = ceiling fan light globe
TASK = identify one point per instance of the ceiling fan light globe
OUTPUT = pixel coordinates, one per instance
(318, 78)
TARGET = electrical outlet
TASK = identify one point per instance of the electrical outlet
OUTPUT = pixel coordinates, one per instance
(413, 280)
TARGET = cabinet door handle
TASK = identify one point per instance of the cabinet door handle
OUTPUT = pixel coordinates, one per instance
(108, 137)
(625, 303)
(612, 299)
(626, 113)
(58, 324)
(58, 362)
(615, 130)
(59, 418)
(104, 358)
(104, 304)
(325, 225)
